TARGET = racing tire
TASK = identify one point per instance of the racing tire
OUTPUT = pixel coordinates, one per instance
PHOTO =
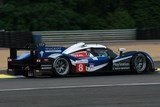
(61, 66)
(139, 63)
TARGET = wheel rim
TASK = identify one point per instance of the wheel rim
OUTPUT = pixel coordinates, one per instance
(61, 66)
(140, 63)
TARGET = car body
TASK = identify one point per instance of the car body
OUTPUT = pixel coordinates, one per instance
(82, 58)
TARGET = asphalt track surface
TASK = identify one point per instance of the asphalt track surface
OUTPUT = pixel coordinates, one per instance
(110, 90)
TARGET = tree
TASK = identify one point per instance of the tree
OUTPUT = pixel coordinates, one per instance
(26, 15)
(120, 19)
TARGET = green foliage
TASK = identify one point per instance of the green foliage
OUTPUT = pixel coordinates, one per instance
(29, 15)
(147, 13)
(120, 19)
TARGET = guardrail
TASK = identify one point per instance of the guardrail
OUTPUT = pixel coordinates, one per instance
(11, 39)
(52, 38)
(148, 33)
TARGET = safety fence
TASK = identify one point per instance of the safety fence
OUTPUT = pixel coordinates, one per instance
(10, 39)
(51, 38)
(148, 34)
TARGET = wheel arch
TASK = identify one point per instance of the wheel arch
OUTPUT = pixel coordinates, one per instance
(69, 65)
(150, 62)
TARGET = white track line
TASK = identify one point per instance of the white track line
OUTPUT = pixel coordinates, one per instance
(81, 86)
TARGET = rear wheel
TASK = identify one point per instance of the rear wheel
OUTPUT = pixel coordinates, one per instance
(61, 66)
(139, 63)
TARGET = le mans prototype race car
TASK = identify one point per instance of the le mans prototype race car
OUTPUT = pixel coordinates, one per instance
(80, 58)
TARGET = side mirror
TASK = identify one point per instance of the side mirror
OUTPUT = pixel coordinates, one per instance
(121, 50)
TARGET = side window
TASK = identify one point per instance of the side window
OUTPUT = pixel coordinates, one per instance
(99, 52)
(90, 54)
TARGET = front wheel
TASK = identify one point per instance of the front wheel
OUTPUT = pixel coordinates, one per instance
(61, 66)
(139, 63)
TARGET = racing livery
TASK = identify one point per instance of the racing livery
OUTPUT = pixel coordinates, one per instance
(79, 58)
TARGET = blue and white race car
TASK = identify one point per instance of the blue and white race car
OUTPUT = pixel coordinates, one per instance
(80, 58)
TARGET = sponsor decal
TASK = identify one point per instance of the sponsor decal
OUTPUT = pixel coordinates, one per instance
(90, 67)
(121, 66)
(121, 59)
(56, 49)
(93, 68)
(41, 53)
(82, 61)
(82, 54)
(122, 63)
(95, 58)
(44, 67)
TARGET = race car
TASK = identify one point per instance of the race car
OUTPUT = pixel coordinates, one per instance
(80, 58)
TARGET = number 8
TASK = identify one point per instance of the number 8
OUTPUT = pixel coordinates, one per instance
(80, 67)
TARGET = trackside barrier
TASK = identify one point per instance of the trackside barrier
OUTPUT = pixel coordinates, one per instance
(17, 41)
(52, 38)
(11, 39)
(148, 34)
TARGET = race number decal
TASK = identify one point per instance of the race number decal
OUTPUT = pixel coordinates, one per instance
(80, 68)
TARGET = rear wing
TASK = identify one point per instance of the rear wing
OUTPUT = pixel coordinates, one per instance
(18, 41)
(26, 41)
